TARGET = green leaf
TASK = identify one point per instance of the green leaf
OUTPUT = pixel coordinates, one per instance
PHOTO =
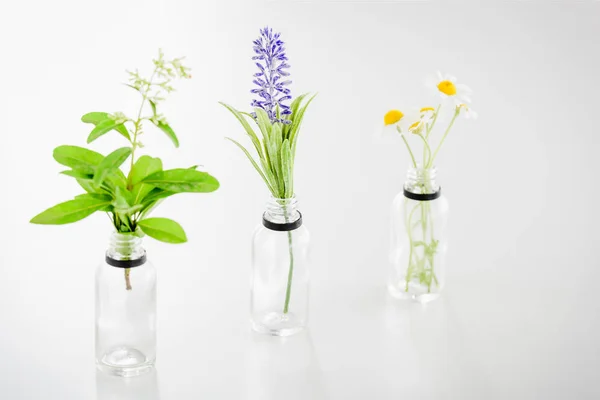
(256, 167)
(77, 174)
(72, 210)
(163, 229)
(183, 180)
(93, 195)
(169, 131)
(144, 166)
(263, 121)
(295, 130)
(153, 106)
(247, 127)
(98, 117)
(111, 162)
(156, 194)
(88, 185)
(94, 117)
(78, 158)
(286, 168)
(124, 203)
(294, 109)
(274, 151)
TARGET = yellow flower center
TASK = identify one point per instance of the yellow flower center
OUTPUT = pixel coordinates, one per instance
(426, 109)
(447, 88)
(392, 116)
(414, 126)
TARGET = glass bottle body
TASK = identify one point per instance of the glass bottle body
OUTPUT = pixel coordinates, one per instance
(280, 270)
(418, 244)
(125, 309)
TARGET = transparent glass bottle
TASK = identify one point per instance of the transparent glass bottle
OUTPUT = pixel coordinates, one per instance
(125, 308)
(418, 245)
(279, 288)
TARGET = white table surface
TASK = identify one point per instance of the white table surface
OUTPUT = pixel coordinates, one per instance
(520, 317)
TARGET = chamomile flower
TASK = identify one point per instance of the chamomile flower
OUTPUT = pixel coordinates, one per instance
(466, 111)
(450, 90)
(408, 121)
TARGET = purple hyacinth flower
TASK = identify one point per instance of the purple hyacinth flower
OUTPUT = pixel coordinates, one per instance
(271, 60)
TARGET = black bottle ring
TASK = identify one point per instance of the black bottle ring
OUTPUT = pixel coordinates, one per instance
(423, 196)
(286, 227)
(126, 263)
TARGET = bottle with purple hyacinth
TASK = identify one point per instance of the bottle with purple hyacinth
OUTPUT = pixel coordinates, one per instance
(280, 244)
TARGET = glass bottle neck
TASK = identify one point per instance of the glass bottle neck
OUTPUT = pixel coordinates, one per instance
(421, 180)
(282, 211)
(125, 247)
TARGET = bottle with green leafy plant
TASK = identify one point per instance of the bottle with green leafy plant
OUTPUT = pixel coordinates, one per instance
(126, 281)
(279, 298)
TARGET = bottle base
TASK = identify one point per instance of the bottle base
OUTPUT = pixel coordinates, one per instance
(277, 324)
(421, 297)
(124, 362)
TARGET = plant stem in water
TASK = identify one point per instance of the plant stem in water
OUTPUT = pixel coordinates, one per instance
(288, 290)
(127, 281)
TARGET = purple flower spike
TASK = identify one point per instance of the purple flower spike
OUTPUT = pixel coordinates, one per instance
(271, 60)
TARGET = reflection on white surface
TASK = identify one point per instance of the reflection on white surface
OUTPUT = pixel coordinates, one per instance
(280, 368)
(143, 387)
(432, 348)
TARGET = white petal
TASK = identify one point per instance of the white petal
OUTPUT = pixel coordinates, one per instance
(451, 78)
(463, 88)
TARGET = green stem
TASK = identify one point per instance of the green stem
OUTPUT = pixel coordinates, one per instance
(138, 122)
(288, 291)
(425, 148)
(443, 138)
(410, 255)
(408, 147)
(435, 116)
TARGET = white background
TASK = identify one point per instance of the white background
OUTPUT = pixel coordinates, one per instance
(520, 317)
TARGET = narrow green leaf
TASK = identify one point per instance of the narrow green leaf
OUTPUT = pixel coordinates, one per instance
(153, 106)
(111, 162)
(286, 167)
(163, 229)
(263, 121)
(295, 130)
(78, 158)
(247, 127)
(293, 108)
(169, 131)
(274, 149)
(71, 211)
(262, 175)
(183, 180)
(297, 121)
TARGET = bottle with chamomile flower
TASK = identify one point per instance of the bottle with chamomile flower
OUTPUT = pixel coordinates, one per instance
(420, 211)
